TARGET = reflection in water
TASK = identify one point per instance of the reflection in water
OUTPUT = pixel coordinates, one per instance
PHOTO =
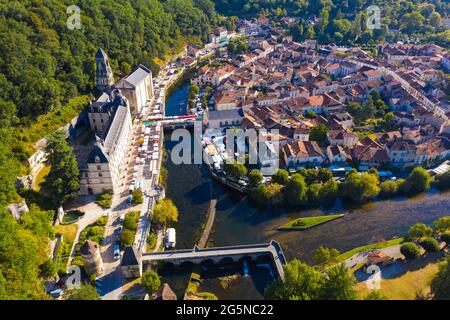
(237, 222)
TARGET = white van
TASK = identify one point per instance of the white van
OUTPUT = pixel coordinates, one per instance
(170, 238)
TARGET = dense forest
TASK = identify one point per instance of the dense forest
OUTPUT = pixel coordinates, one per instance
(47, 76)
(345, 21)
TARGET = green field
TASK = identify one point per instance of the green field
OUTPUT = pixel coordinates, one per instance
(309, 222)
(348, 254)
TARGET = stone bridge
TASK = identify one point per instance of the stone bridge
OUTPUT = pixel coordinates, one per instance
(258, 252)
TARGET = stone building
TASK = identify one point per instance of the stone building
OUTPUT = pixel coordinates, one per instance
(93, 263)
(137, 88)
(131, 264)
(110, 119)
(104, 74)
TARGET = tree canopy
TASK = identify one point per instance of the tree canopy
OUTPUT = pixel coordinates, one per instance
(303, 282)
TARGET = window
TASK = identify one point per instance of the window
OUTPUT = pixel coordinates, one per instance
(99, 167)
(100, 174)
(93, 120)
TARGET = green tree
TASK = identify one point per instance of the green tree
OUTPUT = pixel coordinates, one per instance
(63, 179)
(360, 187)
(419, 231)
(324, 175)
(255, 177)
(442, 225)
(314, 193)
(137, 196)
(410, 250)
(319, 134)
(411, 22)
(418, 181)
(268, 194)
(150, 281)
(324, 256)
(435, 19)
(165, 212)
(48, 268)
(310, 114)
(280, 177)
(446, 238)
(104, 200)
(126, 238)
(376, 295)
(440, 284)
(329, 192)
(301, 282)
(235, 170)
(388, 188)
(295, 192)
(429, 244)
(338, 284)
(86, 292)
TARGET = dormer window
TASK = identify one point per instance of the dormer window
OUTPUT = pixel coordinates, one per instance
(97, 159)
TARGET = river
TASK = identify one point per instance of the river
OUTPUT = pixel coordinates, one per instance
(237, 222)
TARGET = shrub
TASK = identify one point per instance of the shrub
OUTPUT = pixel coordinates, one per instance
(131, 221)
(137, 196)
(418, 181)
(388, 188)
(280, 177)
(410, 250)
(208, 296)
(446, 238)
(419, 231)
(255, 177)
(430, 244)
(126, 238)
(150, 281)
(101, 222)
(104, 200)
(48, 268)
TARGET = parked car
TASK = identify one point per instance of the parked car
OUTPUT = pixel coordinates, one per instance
(116, 251)
(118, 230)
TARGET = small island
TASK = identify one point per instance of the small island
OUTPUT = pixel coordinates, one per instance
(308, 222)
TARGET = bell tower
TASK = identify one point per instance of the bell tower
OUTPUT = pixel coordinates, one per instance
(104, 75)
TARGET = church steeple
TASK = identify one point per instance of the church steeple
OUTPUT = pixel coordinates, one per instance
(104, 75)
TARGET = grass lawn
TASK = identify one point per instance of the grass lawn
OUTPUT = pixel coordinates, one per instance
(68, 231)
(348, 254)
(72, 216)
(405, 287)
(40, 177)
(309, 222)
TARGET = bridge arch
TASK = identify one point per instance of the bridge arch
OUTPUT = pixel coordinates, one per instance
(264, 258)
(226, 260)
(207, 263)
(185, 264)
(245, 258)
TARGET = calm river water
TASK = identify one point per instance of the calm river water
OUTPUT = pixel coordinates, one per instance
(237, 222)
